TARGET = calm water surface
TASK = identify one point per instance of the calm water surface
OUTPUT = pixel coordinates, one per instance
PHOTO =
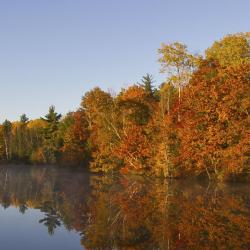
(47, 208)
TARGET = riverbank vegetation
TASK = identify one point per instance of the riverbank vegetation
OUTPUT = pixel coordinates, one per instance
(195, 123)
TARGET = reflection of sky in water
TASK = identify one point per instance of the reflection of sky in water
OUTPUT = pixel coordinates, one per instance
(23, 231)
(119, 212)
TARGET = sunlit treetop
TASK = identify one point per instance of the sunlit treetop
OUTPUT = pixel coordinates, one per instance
(231, 50)
(177, 63)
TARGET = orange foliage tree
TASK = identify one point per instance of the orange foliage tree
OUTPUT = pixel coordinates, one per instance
(75, 149)
(135, 146)
(214, 132)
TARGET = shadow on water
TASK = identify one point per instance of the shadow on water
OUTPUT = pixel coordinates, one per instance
(132, 212)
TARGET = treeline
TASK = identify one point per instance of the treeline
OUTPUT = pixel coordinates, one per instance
(196, 123)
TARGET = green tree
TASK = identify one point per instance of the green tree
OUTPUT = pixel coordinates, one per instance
(147, 84)
(231, 50)
(51, 142)
(24, 119)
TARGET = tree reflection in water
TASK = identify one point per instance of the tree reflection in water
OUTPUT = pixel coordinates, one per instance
(132, 212)
(52, 219)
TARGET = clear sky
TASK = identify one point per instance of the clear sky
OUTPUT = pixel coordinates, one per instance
(53, 51)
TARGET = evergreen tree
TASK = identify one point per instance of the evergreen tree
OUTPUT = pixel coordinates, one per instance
(23, 147)
(147, 82)
(24, 119)
(51, 138)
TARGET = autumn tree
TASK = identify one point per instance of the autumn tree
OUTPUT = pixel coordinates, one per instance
(136, 112)
(36, 139)
(178, 63)
(231, 50)
(104, 125)
(167, 95)
(75, 135)
(7, 126)
(179, 66)
(23, 139)
(22, 134)
(214, 133)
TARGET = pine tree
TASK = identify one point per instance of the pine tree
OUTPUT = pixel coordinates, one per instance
(147, 82)
(51, 140)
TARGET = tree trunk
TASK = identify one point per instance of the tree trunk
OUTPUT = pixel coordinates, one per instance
(6, 149)
(179, 116)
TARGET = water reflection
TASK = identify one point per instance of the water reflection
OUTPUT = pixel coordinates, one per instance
(132, 212)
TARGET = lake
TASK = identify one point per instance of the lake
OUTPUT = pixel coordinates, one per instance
(53, 208)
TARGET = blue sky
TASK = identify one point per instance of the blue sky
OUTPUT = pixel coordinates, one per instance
(53, 51)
